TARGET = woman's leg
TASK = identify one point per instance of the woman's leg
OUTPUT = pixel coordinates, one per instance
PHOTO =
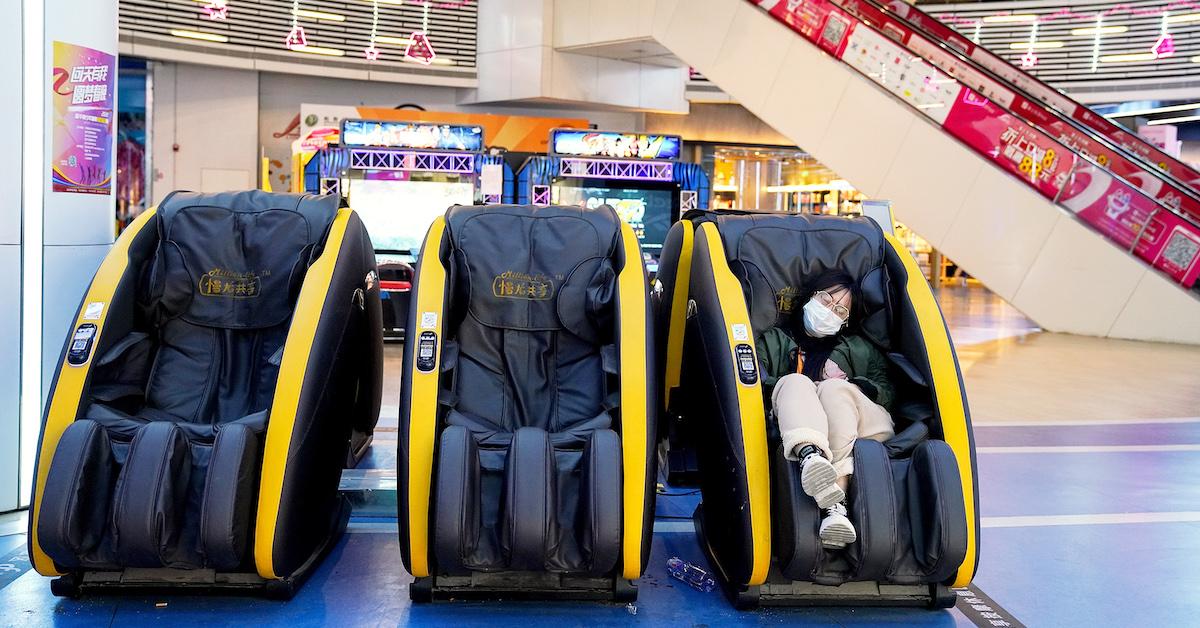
(852, 415)
(800, 415)
(804, 429)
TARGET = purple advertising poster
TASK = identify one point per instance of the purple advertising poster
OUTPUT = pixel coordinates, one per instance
(82, 88)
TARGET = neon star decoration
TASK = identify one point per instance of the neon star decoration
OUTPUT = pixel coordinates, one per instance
(217, 10)
(1028, 60)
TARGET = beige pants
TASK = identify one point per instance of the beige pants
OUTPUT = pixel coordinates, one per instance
(830, 415)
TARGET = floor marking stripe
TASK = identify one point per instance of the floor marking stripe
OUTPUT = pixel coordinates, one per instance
(982, 610)
(13, 565)
(1038, 521)
(1083, 422)
(1085, 449)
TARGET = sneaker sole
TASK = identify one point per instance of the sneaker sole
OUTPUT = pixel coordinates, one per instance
(838, 535)
(819, 481)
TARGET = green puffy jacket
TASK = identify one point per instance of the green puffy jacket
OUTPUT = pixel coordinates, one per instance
(855, 355)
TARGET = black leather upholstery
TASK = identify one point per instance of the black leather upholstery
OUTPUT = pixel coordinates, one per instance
(161, 465)
(906, 496)
(529, 442)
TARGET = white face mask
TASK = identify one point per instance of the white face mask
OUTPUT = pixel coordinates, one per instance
(820, 321)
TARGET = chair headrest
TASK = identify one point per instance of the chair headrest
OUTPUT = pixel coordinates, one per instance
(775, 256)
(235, 259)
(534, 268)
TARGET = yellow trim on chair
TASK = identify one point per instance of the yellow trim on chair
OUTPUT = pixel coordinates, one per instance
(679, 301)
(635, 380)
(750, 407)
(947, 388)
(288, 388)
(63, 406)
(423, 399)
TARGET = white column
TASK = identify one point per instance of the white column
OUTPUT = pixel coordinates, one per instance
(63, 235)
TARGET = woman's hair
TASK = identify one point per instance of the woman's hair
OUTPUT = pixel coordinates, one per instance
(827, 279)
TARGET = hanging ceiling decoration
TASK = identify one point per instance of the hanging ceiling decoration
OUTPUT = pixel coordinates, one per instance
(217, 10)
(295, 38)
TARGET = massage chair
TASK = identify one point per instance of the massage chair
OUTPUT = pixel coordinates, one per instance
(525, 449)
(728, 277)
(226, 356)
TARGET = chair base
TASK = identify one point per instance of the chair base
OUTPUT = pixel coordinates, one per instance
(781, 591)
(522, 585)
(202, 581)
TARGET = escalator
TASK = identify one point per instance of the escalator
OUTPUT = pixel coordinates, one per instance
(1005, 175)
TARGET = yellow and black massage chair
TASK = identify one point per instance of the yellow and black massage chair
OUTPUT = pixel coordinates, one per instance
(224, 357)
(726, 279)
(525, 464)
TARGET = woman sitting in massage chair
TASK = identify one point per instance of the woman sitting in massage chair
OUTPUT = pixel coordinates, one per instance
(828, 386)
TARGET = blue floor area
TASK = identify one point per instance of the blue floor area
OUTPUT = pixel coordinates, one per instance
(1039, 560)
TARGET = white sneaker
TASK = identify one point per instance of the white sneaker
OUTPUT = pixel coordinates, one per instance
(819, 480)
(836, 530)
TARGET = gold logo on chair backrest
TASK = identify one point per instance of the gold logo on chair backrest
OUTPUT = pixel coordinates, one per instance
(219, 282)
(785, 299)
(516, 285)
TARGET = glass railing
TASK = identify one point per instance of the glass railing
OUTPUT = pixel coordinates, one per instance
(888, 52)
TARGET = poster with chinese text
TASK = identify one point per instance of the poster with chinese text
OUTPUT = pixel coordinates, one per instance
(82, 89)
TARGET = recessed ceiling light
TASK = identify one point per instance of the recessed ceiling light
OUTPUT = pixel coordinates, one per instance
(199, 35)
(1103, 30)
(1133, 57)
(1009, 19)
(1037, 45)
(320, 15)
(319, 50)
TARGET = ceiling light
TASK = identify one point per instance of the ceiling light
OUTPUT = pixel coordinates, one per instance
(198, 35)
(1183, 18)
(1146, 112)
(391, 41)
(1173, 120)
(1009, 19)
(1037, 45)
(1196, 59)
(442, 61)
(318, 50)
(1103, 30)
(320, 15)
(1132, 57)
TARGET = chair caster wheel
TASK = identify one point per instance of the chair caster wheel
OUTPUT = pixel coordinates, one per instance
(280, 589)
(65, 586)
(624, 590)
(941, 596)
(745, 599)
(421, 590)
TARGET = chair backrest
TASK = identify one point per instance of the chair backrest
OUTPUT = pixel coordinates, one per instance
(773, 255)
(218, 295)
(532, 314)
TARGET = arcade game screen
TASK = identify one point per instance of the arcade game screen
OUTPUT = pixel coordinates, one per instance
(649, 212)
(398, 213)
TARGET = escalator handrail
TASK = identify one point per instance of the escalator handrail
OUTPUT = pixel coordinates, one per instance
(795, 17)
(1190, 213)
(1105, 127)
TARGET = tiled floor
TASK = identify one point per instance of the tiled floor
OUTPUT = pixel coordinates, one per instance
(1087, 455)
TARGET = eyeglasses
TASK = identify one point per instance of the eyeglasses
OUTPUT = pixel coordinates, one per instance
(825, 299)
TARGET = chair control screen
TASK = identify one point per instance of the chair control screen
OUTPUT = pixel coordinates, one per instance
(427, 352)
(747, 369)
(81, 344)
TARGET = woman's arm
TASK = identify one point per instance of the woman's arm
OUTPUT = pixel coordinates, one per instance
(866, 367)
